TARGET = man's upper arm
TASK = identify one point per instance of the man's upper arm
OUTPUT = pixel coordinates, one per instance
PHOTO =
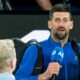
(27, 64)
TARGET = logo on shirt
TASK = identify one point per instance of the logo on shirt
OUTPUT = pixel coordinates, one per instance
(75, 58)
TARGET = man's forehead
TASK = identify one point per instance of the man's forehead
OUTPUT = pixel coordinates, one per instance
(61, 14)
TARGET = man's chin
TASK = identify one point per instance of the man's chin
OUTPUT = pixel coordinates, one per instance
(60, 37)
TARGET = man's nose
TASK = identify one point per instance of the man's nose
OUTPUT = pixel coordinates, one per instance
(61, 23)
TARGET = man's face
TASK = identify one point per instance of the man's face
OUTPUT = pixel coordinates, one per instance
(60, 25)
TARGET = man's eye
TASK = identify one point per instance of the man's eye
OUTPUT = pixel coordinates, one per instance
(57, 20)
(65, 20)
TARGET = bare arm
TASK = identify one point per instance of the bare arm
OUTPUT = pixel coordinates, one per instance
(44, 4)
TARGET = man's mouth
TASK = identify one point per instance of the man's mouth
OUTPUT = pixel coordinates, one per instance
(61, 29)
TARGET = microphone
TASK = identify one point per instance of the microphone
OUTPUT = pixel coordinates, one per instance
(57, 56)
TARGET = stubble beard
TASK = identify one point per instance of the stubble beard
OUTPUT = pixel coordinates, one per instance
(60, 37)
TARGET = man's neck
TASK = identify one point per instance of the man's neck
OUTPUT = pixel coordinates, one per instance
(63, 41)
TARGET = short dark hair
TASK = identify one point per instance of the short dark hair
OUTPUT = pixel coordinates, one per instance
(59, 8)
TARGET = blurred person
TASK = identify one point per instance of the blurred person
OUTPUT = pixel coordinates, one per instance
(46, 5)
(5, 5)
(7, 59)
(35, 6)
(60, 24)
(24, 5)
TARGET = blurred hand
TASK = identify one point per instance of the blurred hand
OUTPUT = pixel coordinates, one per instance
(52, 69)
(45, 4)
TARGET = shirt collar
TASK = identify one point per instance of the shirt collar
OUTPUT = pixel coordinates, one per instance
(53, 43)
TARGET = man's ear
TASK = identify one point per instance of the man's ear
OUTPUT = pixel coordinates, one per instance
(11, 63)
(71, 27)
(49, 24)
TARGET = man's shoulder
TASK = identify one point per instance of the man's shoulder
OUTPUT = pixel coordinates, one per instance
(44, 42)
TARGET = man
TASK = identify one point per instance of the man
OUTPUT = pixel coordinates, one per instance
(7, 59)
(60, 24)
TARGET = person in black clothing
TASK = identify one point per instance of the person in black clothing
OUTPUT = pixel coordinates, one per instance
(24, 5)
(35, 6)
(47, 4)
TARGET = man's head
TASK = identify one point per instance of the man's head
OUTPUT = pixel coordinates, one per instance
(7, 55)
(60, 22)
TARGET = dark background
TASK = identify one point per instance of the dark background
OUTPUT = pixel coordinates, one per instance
(32, 7)
(16, 26)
